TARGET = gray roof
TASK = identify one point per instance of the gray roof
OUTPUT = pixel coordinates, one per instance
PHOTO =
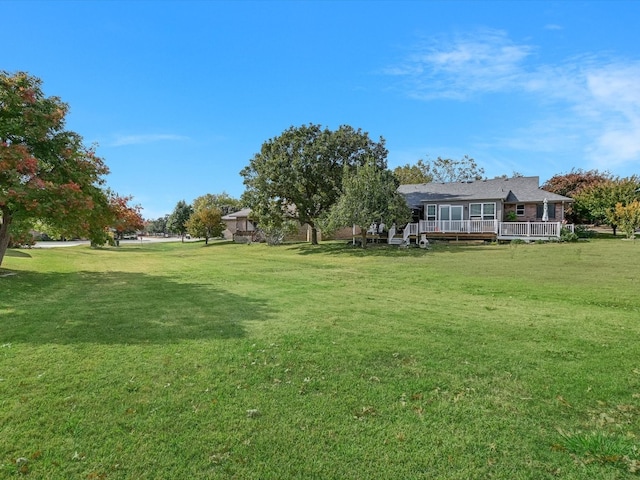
(508, 190)
(244, 213)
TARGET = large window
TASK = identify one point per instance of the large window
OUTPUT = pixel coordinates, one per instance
(551, 210)
(482, 211)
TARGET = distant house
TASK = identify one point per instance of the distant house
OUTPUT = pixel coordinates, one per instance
(501, 208)
(240, 227)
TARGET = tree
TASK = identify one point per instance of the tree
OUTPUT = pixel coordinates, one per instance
(411, 174)
(126, 218)
(177, 221)
(222, 201)
(46, 172)
(445, 170)
(599, 201)
(571, 185)
(158, 226)
(369, 194)
(628, 217)
(298, 175)
(206, 219)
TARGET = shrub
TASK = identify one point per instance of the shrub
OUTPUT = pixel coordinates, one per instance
(583, 231)
(567, 235)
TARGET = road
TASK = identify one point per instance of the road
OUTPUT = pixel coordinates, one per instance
(75, 243)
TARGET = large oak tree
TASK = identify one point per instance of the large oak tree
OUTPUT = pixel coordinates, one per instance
(46, 173)
(298, 175)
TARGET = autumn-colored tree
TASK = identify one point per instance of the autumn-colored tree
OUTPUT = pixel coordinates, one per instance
(208, 210)
(206, 222)
(45, 171)
(126, 218)
(599, 201)
(571, 185)
(628, 217)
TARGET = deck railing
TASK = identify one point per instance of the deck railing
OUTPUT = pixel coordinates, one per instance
(458, 226)
(530, 229)
(523, 230)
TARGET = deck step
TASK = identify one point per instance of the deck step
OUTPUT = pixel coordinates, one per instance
(395, 241)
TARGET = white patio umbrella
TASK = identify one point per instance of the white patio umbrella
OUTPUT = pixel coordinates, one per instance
(545, 211)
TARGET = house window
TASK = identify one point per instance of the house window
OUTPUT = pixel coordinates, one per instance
(551, 210)
(520, 209)
(482, 211)
(430, 213)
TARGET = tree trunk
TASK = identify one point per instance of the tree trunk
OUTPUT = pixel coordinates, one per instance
(314, 235)
(4, 233)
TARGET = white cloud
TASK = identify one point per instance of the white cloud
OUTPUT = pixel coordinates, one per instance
(588, 105)
(443, 68)
(124, 140)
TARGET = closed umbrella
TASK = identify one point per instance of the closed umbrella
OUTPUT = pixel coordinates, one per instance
(545, 211)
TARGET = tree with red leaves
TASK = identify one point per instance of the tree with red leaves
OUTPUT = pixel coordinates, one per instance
(572, 184)
(126, 218)
(46, 173)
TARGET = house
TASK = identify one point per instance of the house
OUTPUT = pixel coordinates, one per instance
(501, 208)
(240, 227)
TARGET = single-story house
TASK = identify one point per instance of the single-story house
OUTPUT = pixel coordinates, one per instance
(240, 227)
(500, 208)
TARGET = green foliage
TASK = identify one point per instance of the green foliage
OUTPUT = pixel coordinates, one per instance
(628, 217)
(598, 201)
(222, 201)
(46, 173)
(440, 170)
(566, 235)
(511, 216)
(445, 170)
(583, 231)
(410, 174)
(177, 221)
(206, 222)
(21, 235)
(298, 175)
(158, 226)
(369, 195)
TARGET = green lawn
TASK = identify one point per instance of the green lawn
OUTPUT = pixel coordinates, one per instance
(186, 361)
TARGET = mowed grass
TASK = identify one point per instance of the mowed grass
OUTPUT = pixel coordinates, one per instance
(172, 361)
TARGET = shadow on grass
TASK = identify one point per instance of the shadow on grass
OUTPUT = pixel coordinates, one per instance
(12, 252)
(119, 308)
(379, 249)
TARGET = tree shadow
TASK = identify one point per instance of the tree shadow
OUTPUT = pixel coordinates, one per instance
(347, 249)
(120, 308)
(12, 252)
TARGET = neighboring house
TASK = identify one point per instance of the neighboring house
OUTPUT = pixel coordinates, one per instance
(240, 227)
(501, 208)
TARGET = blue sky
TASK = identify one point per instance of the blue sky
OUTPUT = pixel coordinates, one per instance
(179, 95)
